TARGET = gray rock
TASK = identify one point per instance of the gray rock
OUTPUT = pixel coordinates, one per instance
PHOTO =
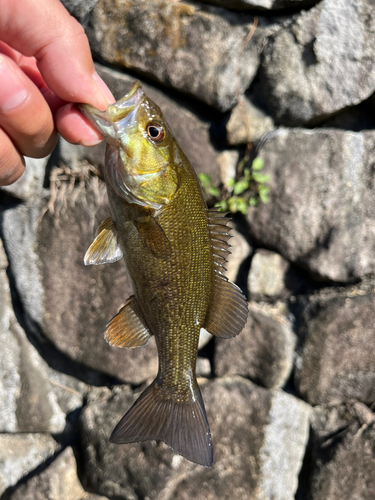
(228, 162)
(247, 123)
(342, 455)
(195, 48)
(336, 360)
(284, 447)
(262, 4)
(21, 454)
(322, 63)
(59, 481)
(240, 251)
(267, 275)
(265, 459)
(33, 397)
(321, 211)
(80, 9)
(64, 301)
(263, 351)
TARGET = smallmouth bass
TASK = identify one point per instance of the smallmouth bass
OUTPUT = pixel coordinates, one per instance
(174, 250)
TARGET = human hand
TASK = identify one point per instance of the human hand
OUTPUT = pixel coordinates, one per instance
(45, 66)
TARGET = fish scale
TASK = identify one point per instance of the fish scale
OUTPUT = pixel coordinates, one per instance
(174, 250)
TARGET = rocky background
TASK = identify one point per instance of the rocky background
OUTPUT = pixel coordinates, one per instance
(290, 401)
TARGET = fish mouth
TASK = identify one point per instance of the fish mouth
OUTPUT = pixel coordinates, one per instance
(105, 121)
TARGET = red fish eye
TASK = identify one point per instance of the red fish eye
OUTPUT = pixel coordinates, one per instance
(155, 132)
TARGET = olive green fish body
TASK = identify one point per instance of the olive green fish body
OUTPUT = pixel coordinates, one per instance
(173, 293)
(174, 251)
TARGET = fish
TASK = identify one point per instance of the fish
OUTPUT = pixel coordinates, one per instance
(174, 249)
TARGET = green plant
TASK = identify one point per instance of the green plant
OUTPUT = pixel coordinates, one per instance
(248, 188)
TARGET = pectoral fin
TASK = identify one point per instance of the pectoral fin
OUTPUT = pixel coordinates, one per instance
(104, 249)
(126, 329)
(153, 236)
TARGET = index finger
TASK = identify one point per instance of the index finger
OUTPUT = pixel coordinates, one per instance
(45, 30)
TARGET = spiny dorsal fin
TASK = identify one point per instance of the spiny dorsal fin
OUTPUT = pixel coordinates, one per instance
(126, 328)
(227, 314)
(104, 249)
(179, 422)
(153, 236)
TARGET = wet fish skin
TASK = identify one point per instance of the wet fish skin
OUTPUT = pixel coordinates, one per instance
(174, 250)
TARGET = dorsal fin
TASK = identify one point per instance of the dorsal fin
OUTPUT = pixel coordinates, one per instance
(126, 329)
(227, 314)
(105, 248)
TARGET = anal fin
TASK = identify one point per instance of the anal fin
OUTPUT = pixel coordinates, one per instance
(105, 248)
(126, 329)
(180, 422)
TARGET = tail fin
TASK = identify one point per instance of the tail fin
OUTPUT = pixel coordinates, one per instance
(182, 425)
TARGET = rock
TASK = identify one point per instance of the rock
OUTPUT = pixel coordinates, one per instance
(321, 211)
(64, 301)
(243, 462)
(267, 275)
(322, 63)
(196, 49)
(21, 454)
(31, 182)
(203, 367)
(80, 9)
(342, 456)
(228, 162)
(240, 251)
(59, 481)
(33, 397)
(263, 351)
(262, 4)
(284, 446)
(247, 123)
(336, 360)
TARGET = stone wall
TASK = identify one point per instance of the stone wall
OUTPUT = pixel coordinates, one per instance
(291, 400)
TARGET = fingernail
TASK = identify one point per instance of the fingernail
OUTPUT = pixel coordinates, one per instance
(13, 92)
(109, 99)
(91, 138)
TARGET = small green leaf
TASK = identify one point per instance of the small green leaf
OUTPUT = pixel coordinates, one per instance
(253, 201)
(241, 186)
(257, 164)
(205, 179)
(231, 182)
(232, 204)
(214, 191)
(223, 205)
(261, 178)
(242, 205)
(262, 188)
(263, 197)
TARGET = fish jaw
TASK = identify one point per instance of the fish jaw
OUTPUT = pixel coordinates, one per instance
(113, 123)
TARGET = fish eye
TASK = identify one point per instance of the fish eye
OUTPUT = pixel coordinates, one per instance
(155, 132)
